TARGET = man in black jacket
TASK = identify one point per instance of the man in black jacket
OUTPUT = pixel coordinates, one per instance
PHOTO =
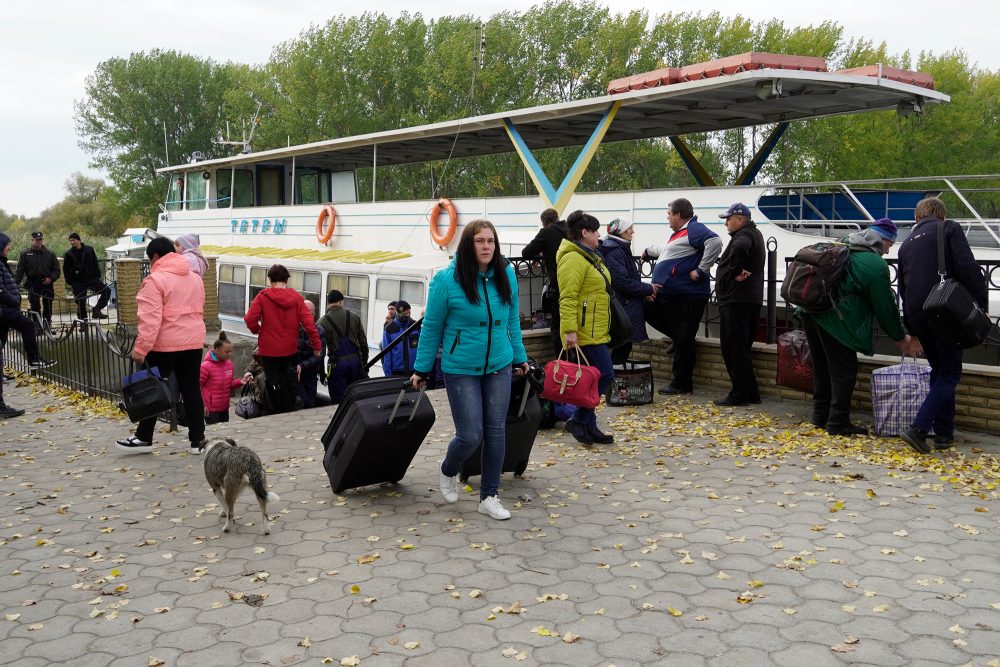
(82, 273)
(918, 273)
(739, 288)
(40, 266)
(545, 245)
(11, 316)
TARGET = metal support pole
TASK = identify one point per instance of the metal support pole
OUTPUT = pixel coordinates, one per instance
(772, 289)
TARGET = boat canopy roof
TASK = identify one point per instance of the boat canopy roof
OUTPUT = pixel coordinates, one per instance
(741, 99)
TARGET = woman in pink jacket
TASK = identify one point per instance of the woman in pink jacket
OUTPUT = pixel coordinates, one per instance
(171, 308)
(218, 381)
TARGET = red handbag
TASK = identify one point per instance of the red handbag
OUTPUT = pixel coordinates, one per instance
(573, 383)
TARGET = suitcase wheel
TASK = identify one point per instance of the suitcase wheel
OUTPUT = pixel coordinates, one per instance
(463, 478)
(519, 470)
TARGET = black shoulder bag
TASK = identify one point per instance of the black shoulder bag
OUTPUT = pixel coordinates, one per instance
(951, 310)
(145, 394)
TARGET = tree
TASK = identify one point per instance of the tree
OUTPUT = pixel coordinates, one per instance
(127, 104)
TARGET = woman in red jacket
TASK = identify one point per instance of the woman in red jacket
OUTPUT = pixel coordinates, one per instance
(275, 316)
(218, 380)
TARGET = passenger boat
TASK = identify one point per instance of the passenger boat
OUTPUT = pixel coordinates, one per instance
(301, 205)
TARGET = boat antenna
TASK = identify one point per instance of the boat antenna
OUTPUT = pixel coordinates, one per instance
(166, 146)
(246, 144)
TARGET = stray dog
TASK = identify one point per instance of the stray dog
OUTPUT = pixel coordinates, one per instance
(230, 468)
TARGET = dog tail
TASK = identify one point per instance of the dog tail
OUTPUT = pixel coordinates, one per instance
(258, 482)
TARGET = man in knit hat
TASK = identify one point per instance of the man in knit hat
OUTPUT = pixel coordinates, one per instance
(864, 295)
(83, 273)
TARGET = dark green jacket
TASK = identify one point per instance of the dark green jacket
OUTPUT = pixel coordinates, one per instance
(865, 295)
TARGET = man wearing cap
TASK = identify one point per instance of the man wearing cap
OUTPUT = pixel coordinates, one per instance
(399, 360)
(682, 283)
(83, 273)
(739, 287)
(40, 266)
(918, 273)
(346, 343)
(864, 294)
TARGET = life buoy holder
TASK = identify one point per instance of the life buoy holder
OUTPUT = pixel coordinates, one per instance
(324, 233)
(444, 239)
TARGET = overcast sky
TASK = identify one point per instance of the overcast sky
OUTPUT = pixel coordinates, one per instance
(48, 47)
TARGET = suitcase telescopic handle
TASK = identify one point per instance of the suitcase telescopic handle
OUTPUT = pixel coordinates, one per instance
(525, 395)
(399, 399)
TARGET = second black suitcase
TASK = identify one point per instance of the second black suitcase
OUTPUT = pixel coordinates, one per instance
(523, 418)
(375, 432)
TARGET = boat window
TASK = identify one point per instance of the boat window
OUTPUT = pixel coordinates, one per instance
(258, 280)
(271, 186)
(243, 186)
(355, 289)
(313, 186)
(308, 284)
(389, 289)
(175, 197)
(232, 289)
(197, 186)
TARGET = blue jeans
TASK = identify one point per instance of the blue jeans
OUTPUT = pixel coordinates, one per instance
(479, 408)
(599, 357)
(938, 409)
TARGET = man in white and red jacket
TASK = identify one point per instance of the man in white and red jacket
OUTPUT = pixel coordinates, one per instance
(171, 336)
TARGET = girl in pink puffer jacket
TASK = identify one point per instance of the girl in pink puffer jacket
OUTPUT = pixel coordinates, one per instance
(218, 381)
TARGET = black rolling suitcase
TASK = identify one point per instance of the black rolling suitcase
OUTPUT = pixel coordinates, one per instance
(375, 432)
(377, 429)
(523, 418)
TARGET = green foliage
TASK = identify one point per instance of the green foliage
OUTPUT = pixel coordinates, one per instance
(370, 73)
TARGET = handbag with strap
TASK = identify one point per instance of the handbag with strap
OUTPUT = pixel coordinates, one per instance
(145, 394)
(246, 406)
(574, 383)
(619, 325)
(950, 309)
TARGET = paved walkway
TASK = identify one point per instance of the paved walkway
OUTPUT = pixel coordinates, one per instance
(705, 536)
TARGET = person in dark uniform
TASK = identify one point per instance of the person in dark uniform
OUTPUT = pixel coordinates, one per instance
(545, 245)
(41, 268)
(739, 287)
(82, 273)
(400, 359)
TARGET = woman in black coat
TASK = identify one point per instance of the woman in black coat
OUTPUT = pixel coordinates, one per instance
(616, 248)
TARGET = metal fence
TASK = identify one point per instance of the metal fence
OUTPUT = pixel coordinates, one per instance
(778, 317)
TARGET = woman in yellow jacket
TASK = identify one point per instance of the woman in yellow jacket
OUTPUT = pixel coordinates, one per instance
(585, 313)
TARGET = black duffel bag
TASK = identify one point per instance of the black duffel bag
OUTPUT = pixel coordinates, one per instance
(951, 310)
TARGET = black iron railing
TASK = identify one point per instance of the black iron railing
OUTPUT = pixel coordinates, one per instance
(778, 317)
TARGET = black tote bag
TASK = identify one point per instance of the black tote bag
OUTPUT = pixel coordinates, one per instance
(145, 394)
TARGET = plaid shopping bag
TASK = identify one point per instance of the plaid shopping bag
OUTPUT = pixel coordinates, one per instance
(897, 393)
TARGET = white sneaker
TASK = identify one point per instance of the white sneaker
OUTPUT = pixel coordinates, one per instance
(448, 486)
(134, 445)
(492, 507)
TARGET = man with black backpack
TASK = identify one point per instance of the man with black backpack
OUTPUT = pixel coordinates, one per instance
(861, 295)
(346, 344)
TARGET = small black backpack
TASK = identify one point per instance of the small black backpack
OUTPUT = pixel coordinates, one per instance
(812, 277)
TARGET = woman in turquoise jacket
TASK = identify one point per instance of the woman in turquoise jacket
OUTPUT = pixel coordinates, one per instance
(472, 317)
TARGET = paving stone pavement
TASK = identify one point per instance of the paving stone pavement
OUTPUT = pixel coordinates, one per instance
(704, 536)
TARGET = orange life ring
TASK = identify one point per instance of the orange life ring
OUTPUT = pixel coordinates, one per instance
(444, 239)
(324, 233)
